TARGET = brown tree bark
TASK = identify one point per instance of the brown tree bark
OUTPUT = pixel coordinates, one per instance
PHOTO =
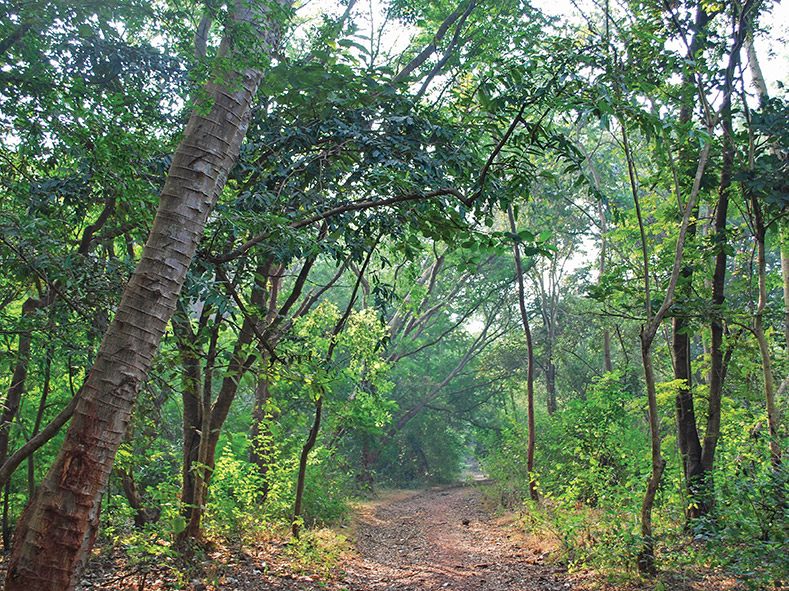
(529, 364)
(717, 328)
(646, 556)
(687, 433)
(58, 528)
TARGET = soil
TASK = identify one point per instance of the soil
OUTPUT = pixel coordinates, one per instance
(444, 539)
(427, 540)
(433, 539)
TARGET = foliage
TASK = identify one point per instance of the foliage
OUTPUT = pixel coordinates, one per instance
(354, 178)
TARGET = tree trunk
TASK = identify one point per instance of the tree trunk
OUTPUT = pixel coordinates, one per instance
(58, 528)
(717, 356)
(19, 377)
(302, 477)
(529, 364)
(761, 339)
(191, 396)
(142, 514)
(262, 450)
(687, 433)
(199, 470)
(646, 557)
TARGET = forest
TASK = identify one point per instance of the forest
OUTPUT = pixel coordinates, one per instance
(265, 259)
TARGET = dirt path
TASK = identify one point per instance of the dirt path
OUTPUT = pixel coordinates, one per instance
(442, 539)
(435, 539)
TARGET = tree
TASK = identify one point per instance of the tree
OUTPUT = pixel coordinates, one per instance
(66, 504)
(530, 363)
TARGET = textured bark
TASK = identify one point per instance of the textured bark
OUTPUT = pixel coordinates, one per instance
(58, 528)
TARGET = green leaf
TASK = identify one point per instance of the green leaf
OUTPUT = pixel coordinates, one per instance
(178, 524)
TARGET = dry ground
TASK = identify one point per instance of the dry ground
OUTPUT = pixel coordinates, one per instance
(428, 540)
(444, 539)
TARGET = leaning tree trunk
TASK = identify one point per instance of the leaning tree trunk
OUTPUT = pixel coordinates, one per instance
(58, 528)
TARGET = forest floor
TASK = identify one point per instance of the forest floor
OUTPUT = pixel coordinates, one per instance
(444, 538)
(426, 540)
